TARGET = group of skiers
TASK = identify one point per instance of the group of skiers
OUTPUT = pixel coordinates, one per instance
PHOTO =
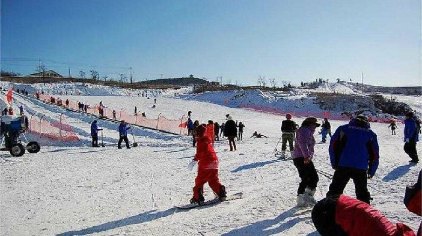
(229, 129)
(123, 132)
(354, 154)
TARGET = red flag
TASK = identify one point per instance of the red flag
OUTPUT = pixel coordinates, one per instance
(9, 96)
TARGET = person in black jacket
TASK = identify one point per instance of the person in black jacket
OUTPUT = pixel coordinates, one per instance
(325, 129)
(240, 133)
(230, 131)
(288, 129)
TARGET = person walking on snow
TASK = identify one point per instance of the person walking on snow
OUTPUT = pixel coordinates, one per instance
(123, 128)
(216, 131)
(230, 131)
(240, 134)
(207, 168)
(94, 133)
(288, 129)
(190, 126)
(302, 159)
(210, 131)
(354, 154)
(325, 129)
(411, 136)
(393, 127)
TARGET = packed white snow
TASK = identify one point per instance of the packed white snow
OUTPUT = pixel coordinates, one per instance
(74, 189)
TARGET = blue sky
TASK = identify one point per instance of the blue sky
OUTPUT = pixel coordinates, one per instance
(240, 40)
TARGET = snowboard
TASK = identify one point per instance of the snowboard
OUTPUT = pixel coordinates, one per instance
(211, 202)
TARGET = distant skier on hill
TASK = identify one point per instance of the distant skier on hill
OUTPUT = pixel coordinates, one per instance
(288, 129)
(411, 136)
(325, 129)
(240, 133)
(230, 131)
(393, 127)
(207, 168)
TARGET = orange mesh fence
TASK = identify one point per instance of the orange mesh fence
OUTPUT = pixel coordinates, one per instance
(175, 126)
(53, 130)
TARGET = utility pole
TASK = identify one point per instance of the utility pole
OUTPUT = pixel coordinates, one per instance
(69, 72)
(130, 71)
(362, 82)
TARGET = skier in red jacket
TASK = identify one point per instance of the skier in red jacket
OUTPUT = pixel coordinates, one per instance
(207, 167)
(348, 216)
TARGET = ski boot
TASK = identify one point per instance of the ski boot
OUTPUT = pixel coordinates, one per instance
(309, 195)
(199, 201)
(222, 195)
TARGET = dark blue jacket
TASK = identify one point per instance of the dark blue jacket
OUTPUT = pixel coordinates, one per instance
(190, 124)
(355, 145)
(123, 129)
(411, 131)
(94, 129)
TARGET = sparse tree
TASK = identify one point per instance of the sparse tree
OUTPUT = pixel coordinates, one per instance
(105, 77)
(122, 78)
(82, 74)
(94, 74)
(273, 82)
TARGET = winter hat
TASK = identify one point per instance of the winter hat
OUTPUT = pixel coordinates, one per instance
(289, 116)
(410, 114)
(323, 216)
(310, 121)
(200, 130)
(362, 118)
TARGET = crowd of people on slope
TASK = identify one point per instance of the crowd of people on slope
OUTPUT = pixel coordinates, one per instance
(354, 154)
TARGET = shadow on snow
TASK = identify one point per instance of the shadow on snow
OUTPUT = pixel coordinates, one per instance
(277, 225)
(253, 165)
(397, 173)
(132, 220)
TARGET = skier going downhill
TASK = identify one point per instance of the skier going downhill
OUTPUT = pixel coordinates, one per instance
(207, 168)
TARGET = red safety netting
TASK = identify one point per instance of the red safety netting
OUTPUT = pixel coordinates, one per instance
(160, 123)
(53, 130)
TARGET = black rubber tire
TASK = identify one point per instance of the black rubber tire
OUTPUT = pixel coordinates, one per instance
(33, 147)
(17, 150)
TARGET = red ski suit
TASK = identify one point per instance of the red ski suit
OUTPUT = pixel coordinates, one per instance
(359, 218)
(207, 167)
(210, 132)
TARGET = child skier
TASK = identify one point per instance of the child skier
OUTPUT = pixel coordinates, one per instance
(207, 168)
(393, 127)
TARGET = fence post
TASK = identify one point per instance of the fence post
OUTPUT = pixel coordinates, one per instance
(41, 125)
(181, 122)
(60, 129)
(158, 121)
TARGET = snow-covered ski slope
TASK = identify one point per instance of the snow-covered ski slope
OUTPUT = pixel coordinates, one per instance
(75, 189)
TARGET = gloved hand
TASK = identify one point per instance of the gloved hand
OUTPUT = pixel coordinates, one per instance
(407, 140)
(192, 164)
(369, 176)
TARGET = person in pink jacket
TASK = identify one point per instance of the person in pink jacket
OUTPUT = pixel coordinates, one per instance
(302, 159)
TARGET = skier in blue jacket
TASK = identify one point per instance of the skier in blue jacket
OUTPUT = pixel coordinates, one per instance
(123, 134)
(411, 136)
(94, 133)
(354, 154)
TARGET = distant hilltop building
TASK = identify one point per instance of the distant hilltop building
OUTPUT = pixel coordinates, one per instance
(47, 73)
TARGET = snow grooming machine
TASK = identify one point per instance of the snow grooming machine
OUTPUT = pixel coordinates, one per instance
(11, 129)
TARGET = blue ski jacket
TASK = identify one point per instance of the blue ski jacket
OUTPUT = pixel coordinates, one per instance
(123, 129)
(355, 145)
(411, 131)
(94, 128)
